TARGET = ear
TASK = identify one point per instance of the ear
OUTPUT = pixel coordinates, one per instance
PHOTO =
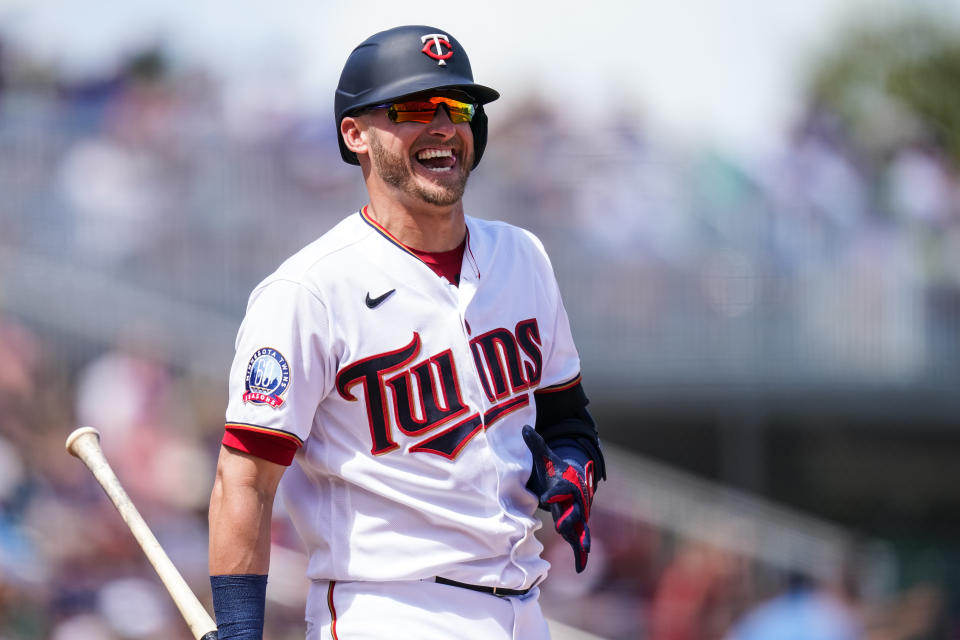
(353, 135)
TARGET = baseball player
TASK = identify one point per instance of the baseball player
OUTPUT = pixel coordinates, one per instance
(412, 377)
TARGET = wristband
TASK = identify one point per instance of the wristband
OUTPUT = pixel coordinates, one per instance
(238, 604)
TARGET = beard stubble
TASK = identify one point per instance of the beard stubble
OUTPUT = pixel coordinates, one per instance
(396, 173)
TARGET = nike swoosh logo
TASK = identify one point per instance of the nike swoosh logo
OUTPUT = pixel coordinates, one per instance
(373, 303)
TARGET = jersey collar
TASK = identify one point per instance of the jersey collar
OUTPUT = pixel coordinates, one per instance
(379, 228)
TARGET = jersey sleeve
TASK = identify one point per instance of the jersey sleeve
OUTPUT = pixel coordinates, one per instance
(282, 370)
(561, 361)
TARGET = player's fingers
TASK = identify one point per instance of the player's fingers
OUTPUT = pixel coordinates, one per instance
(562, 492)
(535, 443)
(582, 533)
(537, 447)
(566, 516)
(578, 538)
(561, 518)
(580, 561)
(558, 493)
(533, 439)
(573, 481)
(560, 510)
(541, 451)
(582, 550)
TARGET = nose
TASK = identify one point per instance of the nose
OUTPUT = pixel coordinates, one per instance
(441, 124)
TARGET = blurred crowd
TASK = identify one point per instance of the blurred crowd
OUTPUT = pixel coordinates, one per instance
(818, 262)
(821, 260)
(71, 570)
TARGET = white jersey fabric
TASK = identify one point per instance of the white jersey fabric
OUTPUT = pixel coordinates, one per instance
(422, 610)
(408, 395)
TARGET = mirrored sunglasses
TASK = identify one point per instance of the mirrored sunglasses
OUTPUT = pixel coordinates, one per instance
(425, 109)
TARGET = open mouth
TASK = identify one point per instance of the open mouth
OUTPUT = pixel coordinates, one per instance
(437, 160)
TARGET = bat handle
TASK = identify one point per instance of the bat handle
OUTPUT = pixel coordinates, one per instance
(209, 636)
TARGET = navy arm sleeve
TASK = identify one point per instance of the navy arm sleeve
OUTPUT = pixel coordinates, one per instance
(564, 423)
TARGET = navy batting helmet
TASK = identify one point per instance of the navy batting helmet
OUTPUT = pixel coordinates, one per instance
(403, 61)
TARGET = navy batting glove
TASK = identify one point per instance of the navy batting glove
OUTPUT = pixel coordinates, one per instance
(565, 489)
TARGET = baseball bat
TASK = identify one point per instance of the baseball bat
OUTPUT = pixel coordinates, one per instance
(84, 443)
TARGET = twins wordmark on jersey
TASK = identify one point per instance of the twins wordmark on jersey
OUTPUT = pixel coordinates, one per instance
(426, 392)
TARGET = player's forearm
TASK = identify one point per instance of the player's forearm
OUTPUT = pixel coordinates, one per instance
(239, 532)
(241, 506)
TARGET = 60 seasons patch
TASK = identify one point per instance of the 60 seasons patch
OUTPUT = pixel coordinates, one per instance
(268, 376)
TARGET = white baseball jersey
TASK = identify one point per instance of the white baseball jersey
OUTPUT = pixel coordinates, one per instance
(408, 395)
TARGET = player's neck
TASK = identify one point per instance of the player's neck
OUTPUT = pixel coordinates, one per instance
(427, 227)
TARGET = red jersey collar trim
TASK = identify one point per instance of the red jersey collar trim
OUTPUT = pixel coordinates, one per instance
(379, 228)
(383, 231)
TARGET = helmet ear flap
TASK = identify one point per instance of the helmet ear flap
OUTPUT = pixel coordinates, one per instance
(479, 127)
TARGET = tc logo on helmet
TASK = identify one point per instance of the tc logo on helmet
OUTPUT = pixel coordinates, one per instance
(437, 46)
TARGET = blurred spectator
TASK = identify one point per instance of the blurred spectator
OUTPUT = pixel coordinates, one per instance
(699, 594)
(115, 183)
(819, 196)
(802, 612)
(921, 189)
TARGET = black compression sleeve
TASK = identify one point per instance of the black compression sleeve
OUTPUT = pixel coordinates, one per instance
(563, 415)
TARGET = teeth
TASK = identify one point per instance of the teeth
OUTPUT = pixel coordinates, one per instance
(426, 154)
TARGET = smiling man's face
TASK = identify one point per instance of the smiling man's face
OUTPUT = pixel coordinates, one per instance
(430, 162)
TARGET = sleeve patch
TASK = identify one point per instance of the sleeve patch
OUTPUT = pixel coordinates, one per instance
(268, 377)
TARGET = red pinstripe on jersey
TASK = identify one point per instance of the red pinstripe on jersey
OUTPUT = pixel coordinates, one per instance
(333, 611)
